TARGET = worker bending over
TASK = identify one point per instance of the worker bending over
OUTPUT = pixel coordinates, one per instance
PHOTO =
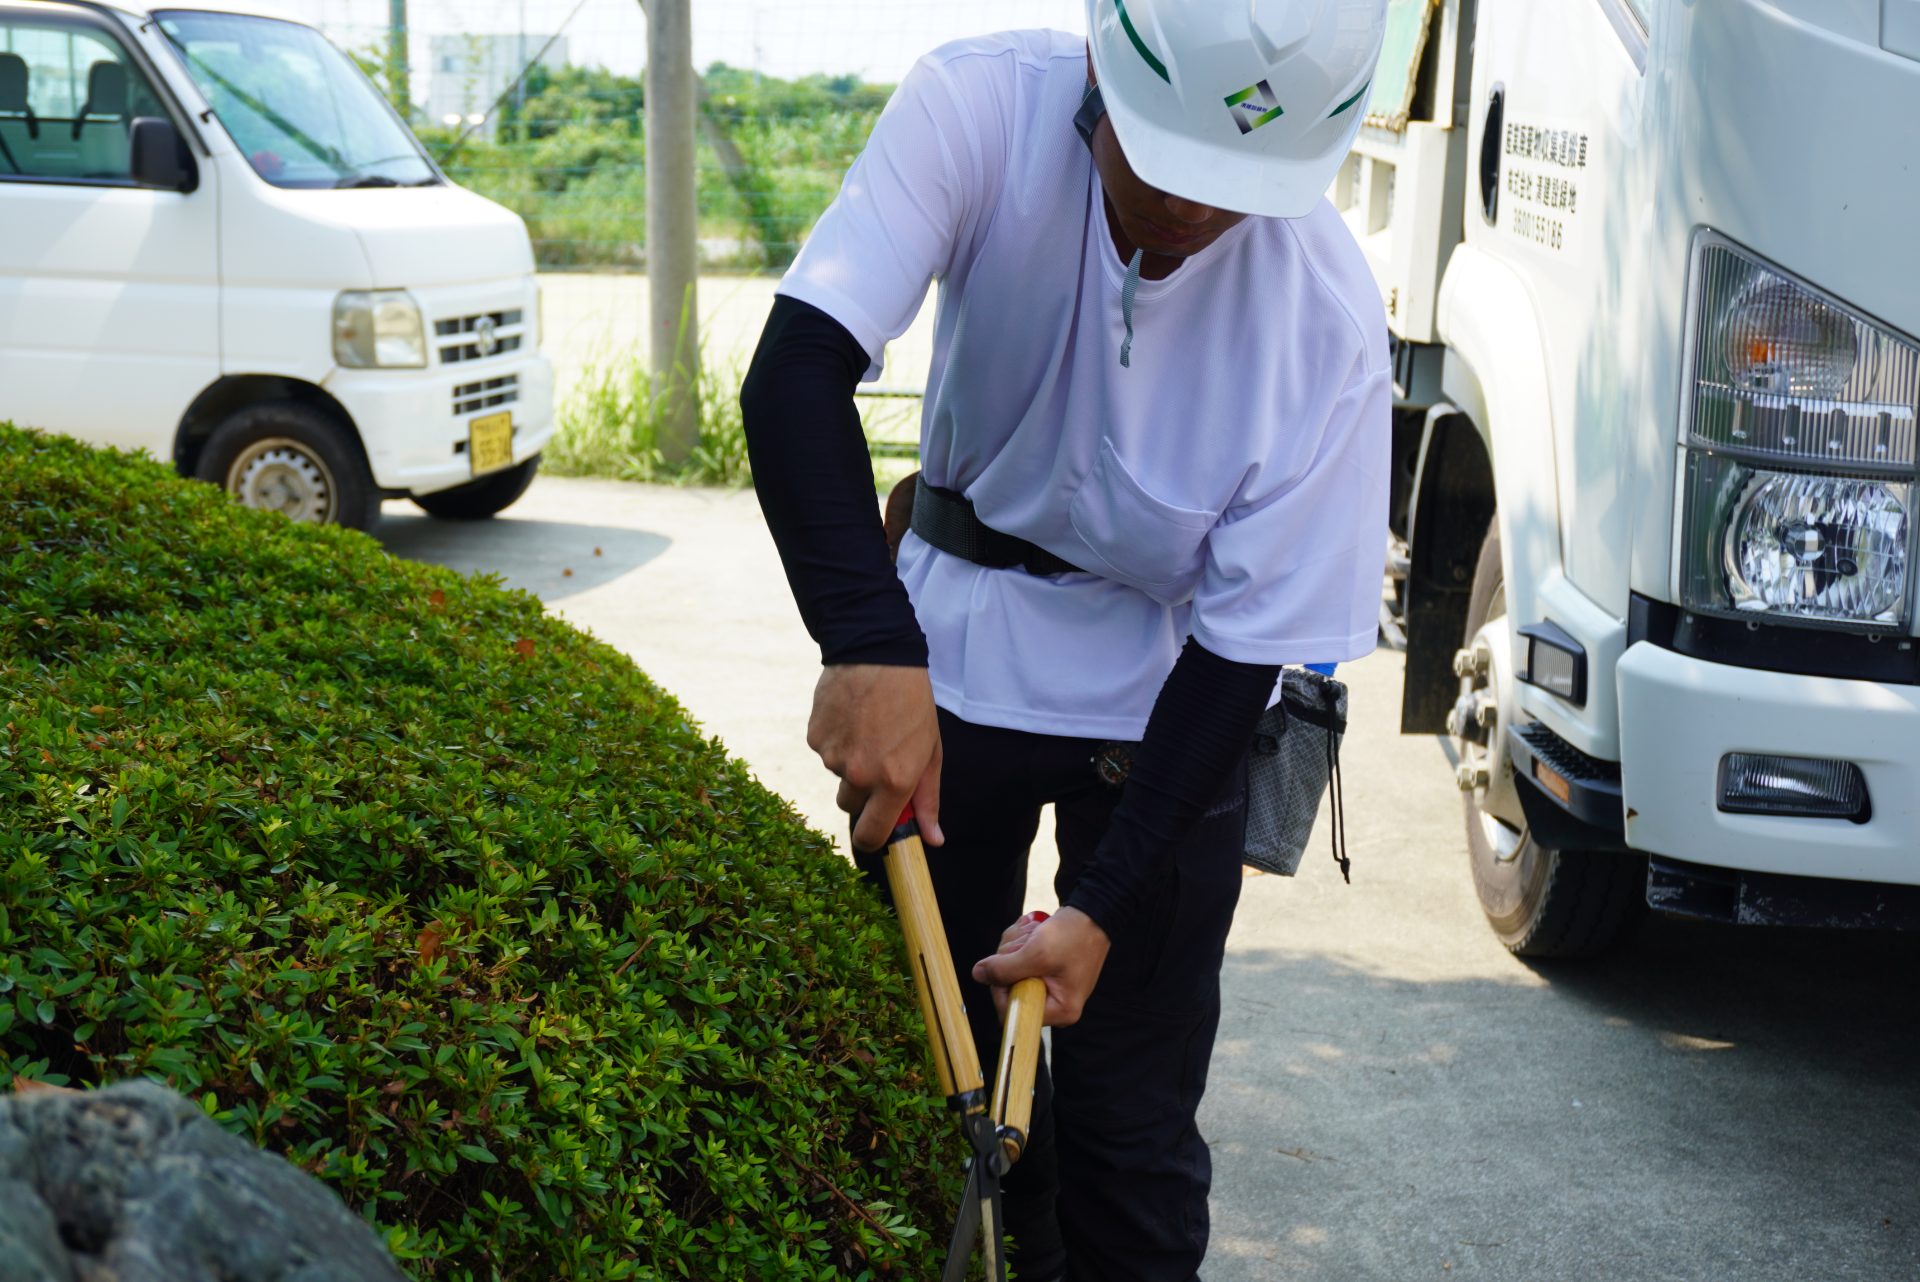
(1154, 464)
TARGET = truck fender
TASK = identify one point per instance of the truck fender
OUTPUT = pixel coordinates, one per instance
(1488, 453)
(1497, 359)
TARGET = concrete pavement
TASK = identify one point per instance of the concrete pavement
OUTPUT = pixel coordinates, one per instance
(1392, 1095)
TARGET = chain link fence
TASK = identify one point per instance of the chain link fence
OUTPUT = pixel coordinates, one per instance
(541, 105)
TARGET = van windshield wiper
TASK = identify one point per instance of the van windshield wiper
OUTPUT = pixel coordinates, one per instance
(324, 154)
(364, 179)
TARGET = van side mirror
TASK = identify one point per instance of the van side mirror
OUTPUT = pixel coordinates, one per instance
(159, 155)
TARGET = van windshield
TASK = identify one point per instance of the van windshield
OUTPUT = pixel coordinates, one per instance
(298, 109)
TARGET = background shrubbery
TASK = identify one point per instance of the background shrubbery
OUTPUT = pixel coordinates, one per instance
(438, 897)
(572, 162)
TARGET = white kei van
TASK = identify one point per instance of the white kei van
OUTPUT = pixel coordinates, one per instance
(219, 244)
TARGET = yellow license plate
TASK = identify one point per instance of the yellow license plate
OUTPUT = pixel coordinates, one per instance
(490, 442)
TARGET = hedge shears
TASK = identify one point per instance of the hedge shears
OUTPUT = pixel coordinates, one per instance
(996, 1128)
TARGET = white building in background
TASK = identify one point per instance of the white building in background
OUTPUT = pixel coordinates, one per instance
(470, 72)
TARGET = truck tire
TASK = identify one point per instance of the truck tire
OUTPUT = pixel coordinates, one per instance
(283, 456)
(1541, 902)
(478, 500)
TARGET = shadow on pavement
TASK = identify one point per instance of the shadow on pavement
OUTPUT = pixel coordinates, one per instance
(1712, 1103)
(551, 559)
(1838, 1001)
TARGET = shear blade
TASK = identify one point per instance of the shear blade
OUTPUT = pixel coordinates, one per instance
(978, 1223)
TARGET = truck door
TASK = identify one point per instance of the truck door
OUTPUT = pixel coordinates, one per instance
(1558, 90)
(109, 292)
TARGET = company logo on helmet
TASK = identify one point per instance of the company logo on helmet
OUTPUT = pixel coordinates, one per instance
(1254, 106)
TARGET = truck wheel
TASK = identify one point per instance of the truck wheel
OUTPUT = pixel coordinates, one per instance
(1541, 902)
(477, 500)
(282, 456)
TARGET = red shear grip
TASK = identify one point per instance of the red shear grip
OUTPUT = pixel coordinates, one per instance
(906, 827)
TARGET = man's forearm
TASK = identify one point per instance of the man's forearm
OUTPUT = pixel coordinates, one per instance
(1201, 726)
(814, 479)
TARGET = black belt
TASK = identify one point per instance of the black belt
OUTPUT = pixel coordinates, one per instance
(945, 519)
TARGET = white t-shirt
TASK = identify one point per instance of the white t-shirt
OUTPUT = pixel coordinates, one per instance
(1231, 484)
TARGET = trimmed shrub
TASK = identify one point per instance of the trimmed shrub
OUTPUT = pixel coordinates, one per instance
(438, 897)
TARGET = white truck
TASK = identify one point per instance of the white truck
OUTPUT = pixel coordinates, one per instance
(219, 244)
(1653, 281)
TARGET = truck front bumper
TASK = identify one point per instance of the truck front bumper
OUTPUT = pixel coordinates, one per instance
(414, 422)
(1679, 716)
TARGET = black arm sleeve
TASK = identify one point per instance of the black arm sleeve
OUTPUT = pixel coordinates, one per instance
(1201, 725)
(814, 478)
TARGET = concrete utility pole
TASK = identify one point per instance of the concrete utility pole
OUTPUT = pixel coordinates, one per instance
(672, 224)
(398, 90)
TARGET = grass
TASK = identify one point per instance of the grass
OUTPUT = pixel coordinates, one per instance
(612, 423)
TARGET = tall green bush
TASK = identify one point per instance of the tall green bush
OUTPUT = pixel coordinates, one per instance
(415, 884)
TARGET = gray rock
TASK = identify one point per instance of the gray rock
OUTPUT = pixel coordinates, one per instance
(135, 1184)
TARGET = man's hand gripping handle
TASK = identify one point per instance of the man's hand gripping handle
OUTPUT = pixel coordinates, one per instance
(955, 1060)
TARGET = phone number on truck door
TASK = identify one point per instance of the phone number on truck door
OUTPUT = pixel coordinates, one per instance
(1538, 228)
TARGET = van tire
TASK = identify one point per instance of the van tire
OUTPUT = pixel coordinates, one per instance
(478, 500)
(1542, 902)
(294, 458)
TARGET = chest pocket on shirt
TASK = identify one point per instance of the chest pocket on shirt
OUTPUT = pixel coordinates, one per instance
(1143, 541)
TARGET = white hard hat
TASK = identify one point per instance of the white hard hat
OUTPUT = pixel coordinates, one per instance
(1248, 105)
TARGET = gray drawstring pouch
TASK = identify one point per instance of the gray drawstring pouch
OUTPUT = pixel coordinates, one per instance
(1294, 761)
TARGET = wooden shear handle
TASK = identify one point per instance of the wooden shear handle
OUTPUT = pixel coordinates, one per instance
(935, 983)
(954, 1057)
(1019, 1063)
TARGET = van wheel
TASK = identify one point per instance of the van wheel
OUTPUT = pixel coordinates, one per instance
(285, 457)
(1541, 902)
(478, 500)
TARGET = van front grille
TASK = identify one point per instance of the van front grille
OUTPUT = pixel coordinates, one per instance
(480, 336)
(470, 398)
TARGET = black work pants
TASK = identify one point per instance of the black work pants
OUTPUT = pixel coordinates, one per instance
(1113, 1187)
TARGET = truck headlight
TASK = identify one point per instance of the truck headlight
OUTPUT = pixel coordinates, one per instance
(378, 329)
(1800, 427)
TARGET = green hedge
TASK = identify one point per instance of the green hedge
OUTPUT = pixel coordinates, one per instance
(440, 898)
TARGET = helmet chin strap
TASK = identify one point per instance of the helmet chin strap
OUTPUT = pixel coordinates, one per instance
(1085, 121)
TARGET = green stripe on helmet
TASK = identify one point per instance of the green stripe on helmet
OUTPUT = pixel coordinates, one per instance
(1357, 96)
(1139, 45)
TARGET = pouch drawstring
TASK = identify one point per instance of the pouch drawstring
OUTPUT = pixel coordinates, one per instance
(1127, 288)
(1337, 816)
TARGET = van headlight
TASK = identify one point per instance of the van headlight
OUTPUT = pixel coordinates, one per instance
(378, 329)
(1799, 425)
